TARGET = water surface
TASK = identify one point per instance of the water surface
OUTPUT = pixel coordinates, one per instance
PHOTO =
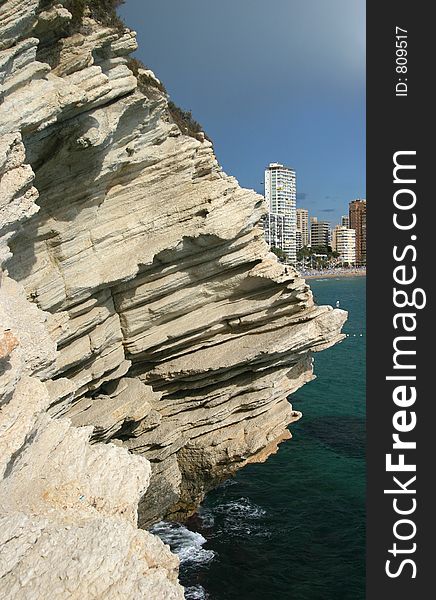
(293, 528)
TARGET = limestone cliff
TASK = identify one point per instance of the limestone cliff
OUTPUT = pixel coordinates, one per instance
(140, 306)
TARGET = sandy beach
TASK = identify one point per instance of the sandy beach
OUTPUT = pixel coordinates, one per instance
(334, 273)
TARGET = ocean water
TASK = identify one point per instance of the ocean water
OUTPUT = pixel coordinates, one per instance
(293, 528)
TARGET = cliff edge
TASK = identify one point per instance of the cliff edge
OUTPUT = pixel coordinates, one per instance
(148, 338)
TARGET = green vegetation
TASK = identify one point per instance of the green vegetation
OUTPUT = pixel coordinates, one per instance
(279, 253)
(144, 81)
(318, 256)
(182, 118)
(185, 121)
(307, 252)
(103, 11)
(304, 253)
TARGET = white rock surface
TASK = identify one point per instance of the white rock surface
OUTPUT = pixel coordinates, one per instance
(68, 509)
(179, 336)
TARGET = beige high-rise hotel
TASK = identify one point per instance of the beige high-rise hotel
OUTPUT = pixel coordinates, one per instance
(303, 225)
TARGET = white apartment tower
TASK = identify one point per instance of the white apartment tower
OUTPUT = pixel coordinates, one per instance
(344, 242)
(298, 240)
(281, 199)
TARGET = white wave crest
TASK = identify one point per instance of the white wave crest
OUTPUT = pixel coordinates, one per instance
(241, 507)
(188, 545)
(195, 592)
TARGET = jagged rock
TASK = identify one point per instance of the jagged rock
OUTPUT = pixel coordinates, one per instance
(179, 335)
(68, 509)
(155, 267)
(129, 405)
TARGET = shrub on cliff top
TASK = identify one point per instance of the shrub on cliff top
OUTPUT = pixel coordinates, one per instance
(103, 11)
(144, 81)
(185, 121)
(182, 118)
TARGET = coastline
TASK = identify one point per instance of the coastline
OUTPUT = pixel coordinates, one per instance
(334, 274)
(253, 511)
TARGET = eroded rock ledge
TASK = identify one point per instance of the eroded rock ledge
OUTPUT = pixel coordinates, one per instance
(141, 307)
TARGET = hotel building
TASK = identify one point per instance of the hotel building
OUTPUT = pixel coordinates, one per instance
(319, 233)
(344, 242)
(303, 226)
(281, 197)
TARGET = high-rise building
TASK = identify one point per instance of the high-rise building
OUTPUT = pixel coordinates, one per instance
(344, 242)
(303, 225)
(275, 227)
(345, 221)
(357, 212)
(298, 239)
(281, 199)
(319, 232)
(311, 220)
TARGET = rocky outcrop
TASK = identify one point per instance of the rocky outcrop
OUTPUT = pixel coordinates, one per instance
(143, 309)
(68, 509)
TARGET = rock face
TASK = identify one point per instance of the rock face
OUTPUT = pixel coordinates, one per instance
(141, 307)
(68, 509)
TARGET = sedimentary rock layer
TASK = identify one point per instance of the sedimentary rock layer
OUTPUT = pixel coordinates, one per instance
(68, 509)
(158, 318)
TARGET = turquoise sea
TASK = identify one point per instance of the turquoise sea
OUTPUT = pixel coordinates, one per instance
(293, 528)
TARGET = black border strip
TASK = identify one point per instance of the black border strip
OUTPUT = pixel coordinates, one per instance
(399, 124)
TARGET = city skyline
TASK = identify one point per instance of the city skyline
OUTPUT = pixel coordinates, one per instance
(292, 232)
(343, 220)
(302, 220)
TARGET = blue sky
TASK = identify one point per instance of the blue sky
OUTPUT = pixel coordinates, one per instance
(270, 81)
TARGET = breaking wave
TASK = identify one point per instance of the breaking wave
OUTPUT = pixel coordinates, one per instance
(188, 545)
